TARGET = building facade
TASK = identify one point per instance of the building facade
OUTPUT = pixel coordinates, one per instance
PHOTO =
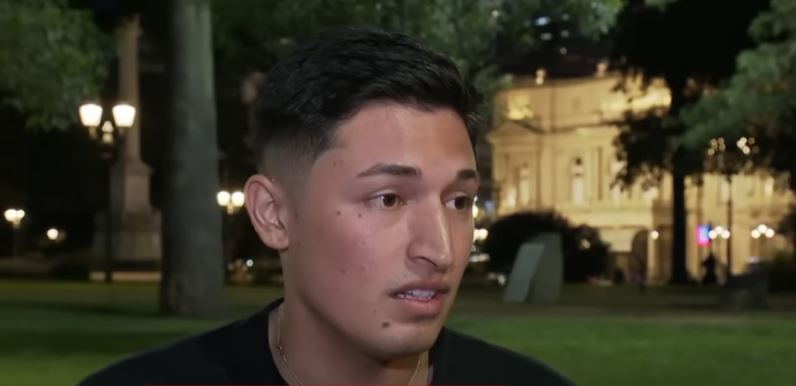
(552, 149)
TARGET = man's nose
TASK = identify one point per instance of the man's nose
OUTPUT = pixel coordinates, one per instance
(431, 236)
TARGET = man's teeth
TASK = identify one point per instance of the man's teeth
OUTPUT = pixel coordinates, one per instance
(417, 294)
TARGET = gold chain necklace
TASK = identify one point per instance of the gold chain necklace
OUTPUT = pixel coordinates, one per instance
(290, 369)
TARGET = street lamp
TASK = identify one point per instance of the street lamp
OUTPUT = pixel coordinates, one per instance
(14, 217)
(721, 233)
(52, 234)
(109, 134)
(729, 163)
(480, 235)
(762, 232)
(232, 202)
(55, 235)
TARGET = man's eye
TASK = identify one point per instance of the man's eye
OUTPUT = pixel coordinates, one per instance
(461, 203)
(388, 201)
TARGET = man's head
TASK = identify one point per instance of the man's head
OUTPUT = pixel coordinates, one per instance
(367, 176)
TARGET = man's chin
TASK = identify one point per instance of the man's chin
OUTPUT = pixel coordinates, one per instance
(413, 341)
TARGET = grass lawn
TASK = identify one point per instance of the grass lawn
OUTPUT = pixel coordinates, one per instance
(56, 333)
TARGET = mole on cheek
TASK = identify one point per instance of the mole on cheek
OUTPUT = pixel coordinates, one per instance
(359, 215)
(338, 212)
(385, 324)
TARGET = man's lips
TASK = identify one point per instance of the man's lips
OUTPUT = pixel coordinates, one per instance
(421, 290)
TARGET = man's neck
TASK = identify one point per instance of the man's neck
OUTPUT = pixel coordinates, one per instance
(313, 354)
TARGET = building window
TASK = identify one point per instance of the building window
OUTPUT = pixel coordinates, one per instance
(781, 184)
(616, 189)
(768, 186)
(578, 182)
(508, 199)
(524, 182)
(724, 190)
(650, 194)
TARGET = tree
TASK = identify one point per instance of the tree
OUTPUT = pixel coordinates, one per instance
(52, 58)
(251, 35)
(671, 40)
(466, 30)
(759, 99)
(193, 269)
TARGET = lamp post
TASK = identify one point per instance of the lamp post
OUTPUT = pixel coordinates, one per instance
(760, 234)
(109, 134)
(231, 202)
(721, 233)
(728, 164)
(55, 235)
(14, 217)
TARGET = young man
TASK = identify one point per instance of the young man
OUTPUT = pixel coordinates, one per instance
(366, 183)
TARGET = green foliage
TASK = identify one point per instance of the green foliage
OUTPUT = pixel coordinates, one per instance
(761, 96)
(667, 39)
(464, 30)
(51, 59)
(641, 147)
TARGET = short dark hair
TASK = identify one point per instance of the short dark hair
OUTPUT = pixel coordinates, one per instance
(306, 95)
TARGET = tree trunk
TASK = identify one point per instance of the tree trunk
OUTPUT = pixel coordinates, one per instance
(679, 223)
(192, 248)
(676, 86)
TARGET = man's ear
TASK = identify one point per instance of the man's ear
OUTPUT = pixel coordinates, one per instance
(266, 203)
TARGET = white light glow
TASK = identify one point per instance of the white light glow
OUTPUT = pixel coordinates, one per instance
(90, 114)
(540, 75)
(223, 198)
(52, 234)
(124, 115)
(14, 216)
(479, 258)
(544, 20)
(238, 198)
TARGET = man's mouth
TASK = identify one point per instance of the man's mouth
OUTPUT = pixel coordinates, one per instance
(417, 294)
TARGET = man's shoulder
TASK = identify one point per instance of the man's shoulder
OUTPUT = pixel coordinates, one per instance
(220, 356)
(473, 361)
(180, 362)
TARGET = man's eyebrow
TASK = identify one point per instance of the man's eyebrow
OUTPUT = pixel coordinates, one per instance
(411, 171)
(468, 174)
(391, 169)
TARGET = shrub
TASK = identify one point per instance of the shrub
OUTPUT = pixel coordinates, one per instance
(782, 273)
(585, 254)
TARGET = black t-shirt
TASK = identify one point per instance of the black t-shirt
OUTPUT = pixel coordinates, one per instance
(238, 354)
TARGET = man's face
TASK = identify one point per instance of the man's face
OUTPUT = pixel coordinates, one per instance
(383, 228)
